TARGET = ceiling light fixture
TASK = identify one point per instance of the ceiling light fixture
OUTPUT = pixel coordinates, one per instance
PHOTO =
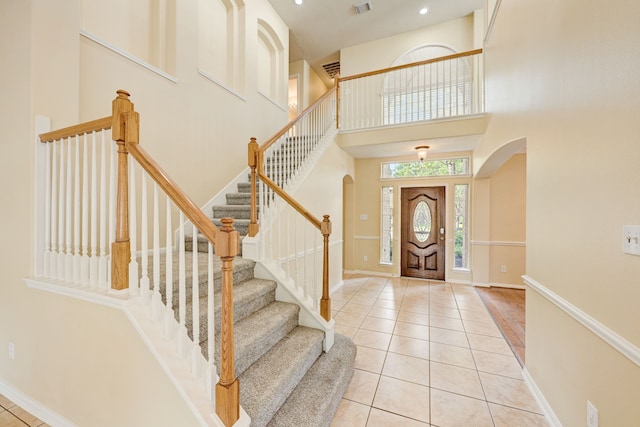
(422, 152)
(298, 2)
(424, 11)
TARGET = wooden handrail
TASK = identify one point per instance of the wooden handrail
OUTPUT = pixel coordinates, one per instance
(79, 129)
(292, 123)
(169, 186)
(413, 64)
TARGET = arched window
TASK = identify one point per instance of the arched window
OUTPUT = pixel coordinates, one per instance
(430, 91)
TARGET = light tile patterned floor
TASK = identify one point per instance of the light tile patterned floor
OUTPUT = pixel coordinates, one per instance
(429, 354)
(11, 415)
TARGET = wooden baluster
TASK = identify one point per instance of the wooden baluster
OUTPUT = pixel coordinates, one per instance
(253, 162)
(325, 304)
(120, 248)
(228, 388)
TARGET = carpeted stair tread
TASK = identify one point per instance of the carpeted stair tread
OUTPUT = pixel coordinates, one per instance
(256, 334)
(233, 211)
(266, 384)
(315, 400)
(248, 297)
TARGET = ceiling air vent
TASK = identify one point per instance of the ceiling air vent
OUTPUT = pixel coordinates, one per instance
(362, 8)
(332, 68)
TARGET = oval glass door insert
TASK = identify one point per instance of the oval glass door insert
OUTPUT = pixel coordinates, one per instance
(422, 221)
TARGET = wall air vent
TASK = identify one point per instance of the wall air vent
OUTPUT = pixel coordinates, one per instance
(362, 8)
(332, 68)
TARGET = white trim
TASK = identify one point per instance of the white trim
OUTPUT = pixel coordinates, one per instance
(371, 273)
(481, 284)
(548, 413)
(506, 285)
(84, 293)
(34, 407)
(628, 349)
(273, 101)
(497, 243)
(417, 123)
(460, 282)
(128, 56)
(222, 85)
(366, 238)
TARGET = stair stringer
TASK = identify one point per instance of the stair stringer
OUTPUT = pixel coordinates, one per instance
(197, 394)
(286, 291)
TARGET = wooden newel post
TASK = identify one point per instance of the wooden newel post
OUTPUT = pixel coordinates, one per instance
(253, 163)
(123, 115)
(228, 388)
(325, 302)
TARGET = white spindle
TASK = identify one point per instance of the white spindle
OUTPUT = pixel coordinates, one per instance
(169, 316)
(157, 299)
(211, 333)
(47, 212)
(103, 268)
(144, 239)
(77, 257)
(195, 304)
(112, 201)
(182, 288)
(94, 239)
(84, 260)
(61, 213)
(55, 199)
(68, 238)
(133, 232)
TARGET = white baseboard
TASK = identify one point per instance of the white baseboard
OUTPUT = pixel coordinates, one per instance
(507, 286)
(371, 273)
(550, 416)
(34, 407)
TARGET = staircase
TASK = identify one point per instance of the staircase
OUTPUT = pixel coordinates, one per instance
(285, 378)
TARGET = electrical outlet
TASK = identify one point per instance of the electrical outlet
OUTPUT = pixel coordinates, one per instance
(503, 269)
(366, 258)
(12, 351)
(592, 415)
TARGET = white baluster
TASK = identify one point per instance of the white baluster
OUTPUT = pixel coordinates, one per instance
(47, 211)
(59, 240)
(195, 305)
(182, 289)
(169, 320)
(133, 232)
(84, 252)
(77, 221)
(94, 239)
(50, 239)
(156, 302)
(68, 225)
(103, 268)
(144, 241)
(112, 203)
(211, 333)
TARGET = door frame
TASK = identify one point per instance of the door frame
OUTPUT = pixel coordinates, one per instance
(445, 247)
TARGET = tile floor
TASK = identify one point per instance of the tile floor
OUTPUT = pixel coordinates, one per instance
(429, 354)
(11, 415)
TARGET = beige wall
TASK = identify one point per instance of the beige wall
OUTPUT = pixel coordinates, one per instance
(310, 84)
(561, 75)
(507, 222)
(84, 361)
(457, 34)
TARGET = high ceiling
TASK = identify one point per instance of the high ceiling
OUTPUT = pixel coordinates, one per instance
(320, 28)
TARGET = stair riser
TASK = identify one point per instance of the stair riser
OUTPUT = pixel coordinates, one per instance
(235, 212)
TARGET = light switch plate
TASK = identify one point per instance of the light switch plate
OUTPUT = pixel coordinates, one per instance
(631, 239)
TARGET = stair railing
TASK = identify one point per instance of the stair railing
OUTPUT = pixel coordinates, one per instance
(288, 231)
(438, 88)
(91, 197)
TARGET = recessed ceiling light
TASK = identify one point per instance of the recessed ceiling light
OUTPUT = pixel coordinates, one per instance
(424, 11)
(298, 2)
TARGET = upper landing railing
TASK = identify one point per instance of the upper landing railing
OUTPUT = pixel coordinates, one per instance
(91, 199)
(438, 88)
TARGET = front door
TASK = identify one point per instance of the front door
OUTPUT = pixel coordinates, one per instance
(423, 233)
